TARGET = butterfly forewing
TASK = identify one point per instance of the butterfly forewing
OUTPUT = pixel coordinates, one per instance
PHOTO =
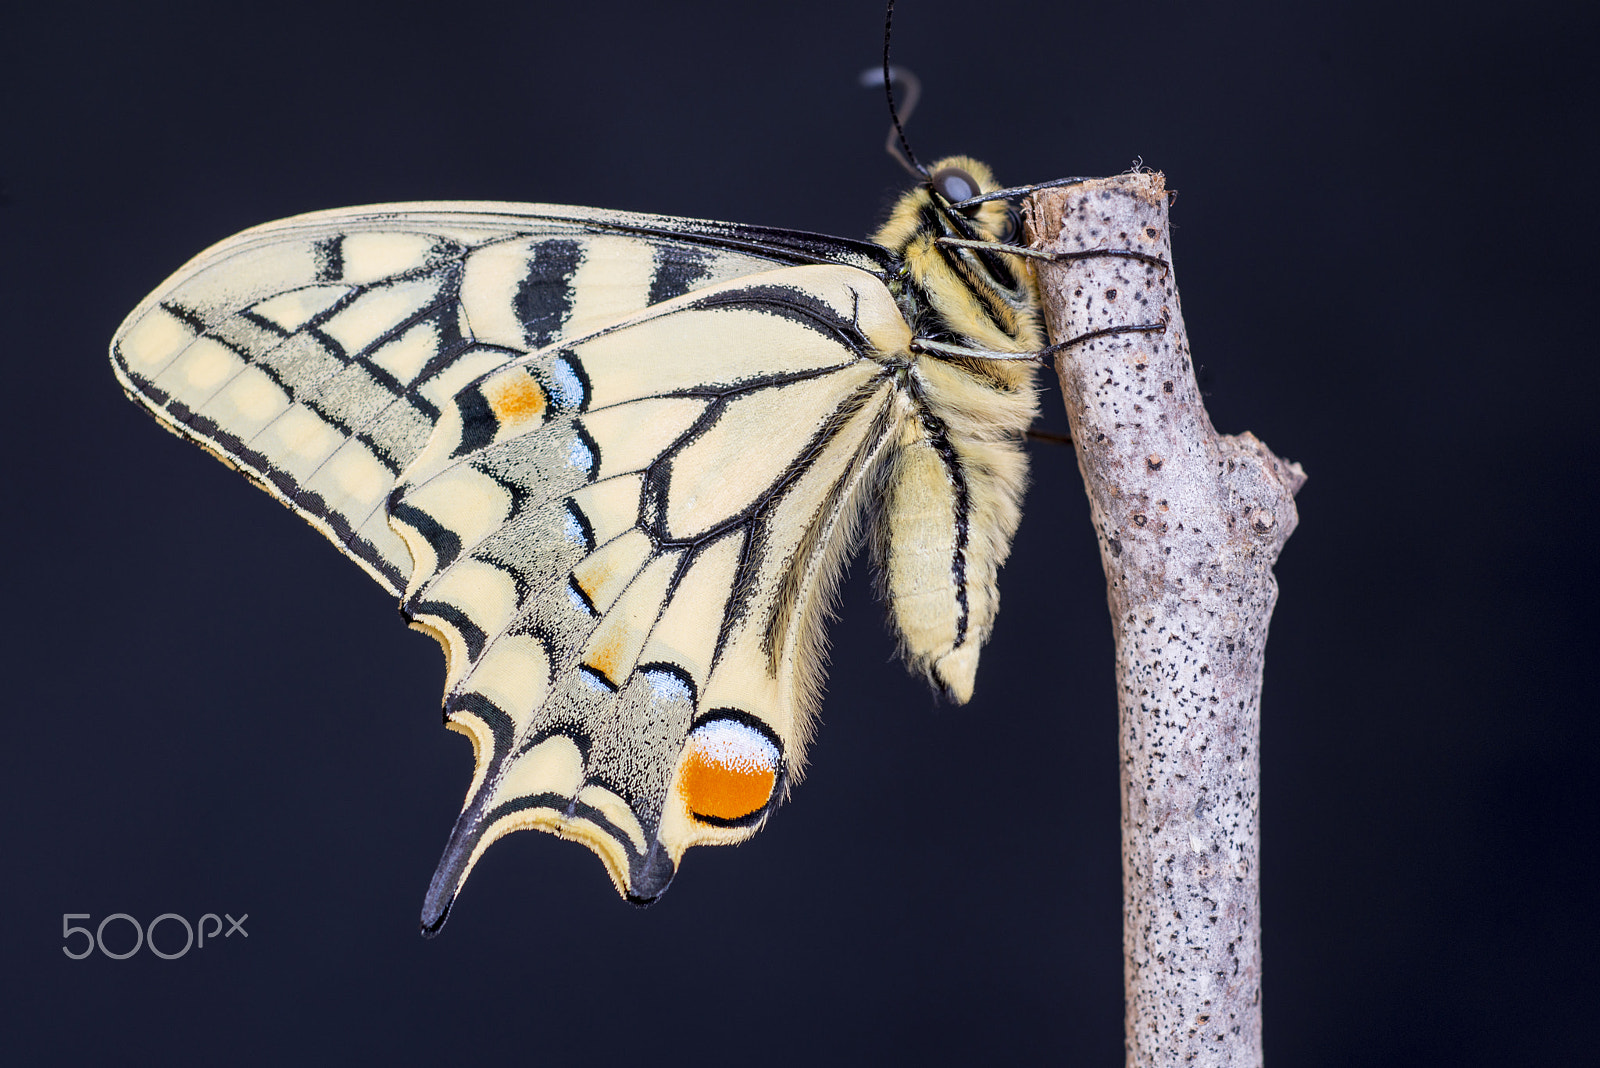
(316, 353)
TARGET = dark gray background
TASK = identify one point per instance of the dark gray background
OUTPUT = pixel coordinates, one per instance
(1383, 239)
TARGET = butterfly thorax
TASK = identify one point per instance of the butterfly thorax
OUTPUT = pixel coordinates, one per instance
(963, 296)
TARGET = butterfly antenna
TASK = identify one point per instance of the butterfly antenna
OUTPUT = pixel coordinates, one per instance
(897, 144)
(911, 90)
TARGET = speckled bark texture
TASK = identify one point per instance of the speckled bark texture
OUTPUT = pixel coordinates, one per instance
(1189, 523)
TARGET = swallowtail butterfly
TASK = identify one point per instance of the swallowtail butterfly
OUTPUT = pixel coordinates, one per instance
(614, 463)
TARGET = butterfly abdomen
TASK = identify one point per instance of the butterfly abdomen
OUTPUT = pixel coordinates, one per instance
(952, 489)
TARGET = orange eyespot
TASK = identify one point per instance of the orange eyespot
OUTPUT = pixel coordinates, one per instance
(515, 397)
(729, 771)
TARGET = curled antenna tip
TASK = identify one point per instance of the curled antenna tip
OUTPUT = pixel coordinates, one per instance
(872, 78)
(909, 84)
(910, 87)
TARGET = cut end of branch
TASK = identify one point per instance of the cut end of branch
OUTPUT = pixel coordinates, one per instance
(1130, 388)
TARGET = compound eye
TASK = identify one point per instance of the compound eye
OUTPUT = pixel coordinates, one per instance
(955, 185)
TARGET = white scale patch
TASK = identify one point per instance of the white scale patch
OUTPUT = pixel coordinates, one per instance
(665, 687)
(566, 387)
(579, 455)
(734, 745)
(574, 531)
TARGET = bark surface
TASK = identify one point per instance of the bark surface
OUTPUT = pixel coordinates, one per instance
(1189, 523)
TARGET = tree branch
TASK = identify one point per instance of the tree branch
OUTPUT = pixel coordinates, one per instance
(1189, 523)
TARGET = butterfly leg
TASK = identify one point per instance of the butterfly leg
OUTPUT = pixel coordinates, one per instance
(1048, 437)
(1056, 257)
(1042, 356)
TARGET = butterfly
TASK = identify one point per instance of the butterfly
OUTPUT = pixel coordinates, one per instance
(614, 463)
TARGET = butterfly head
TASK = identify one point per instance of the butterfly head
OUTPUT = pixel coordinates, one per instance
(930, 207)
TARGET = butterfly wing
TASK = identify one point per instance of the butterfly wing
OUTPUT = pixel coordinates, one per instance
(625, 541)
(315, 353)
(611, 462)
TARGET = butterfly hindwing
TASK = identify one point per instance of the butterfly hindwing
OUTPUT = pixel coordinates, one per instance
(599, 507)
